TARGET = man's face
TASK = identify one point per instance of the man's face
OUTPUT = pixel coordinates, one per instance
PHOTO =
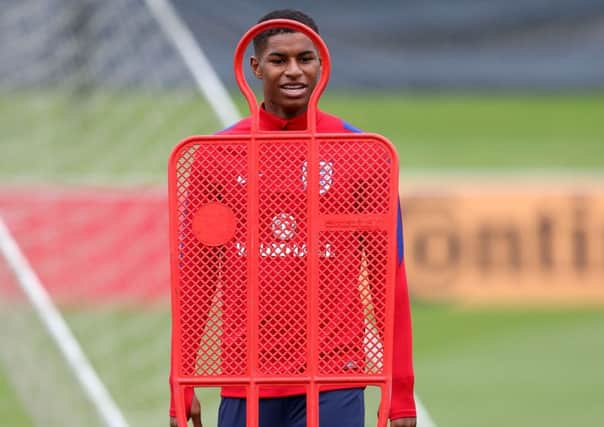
(289, 67)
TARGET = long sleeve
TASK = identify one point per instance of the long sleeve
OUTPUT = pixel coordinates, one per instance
(403, 402)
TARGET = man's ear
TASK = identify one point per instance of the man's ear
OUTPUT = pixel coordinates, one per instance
(255, 64)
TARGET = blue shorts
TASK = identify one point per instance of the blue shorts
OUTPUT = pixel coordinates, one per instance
(336, 408)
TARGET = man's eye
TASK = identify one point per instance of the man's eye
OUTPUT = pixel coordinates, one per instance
(306, 59)
(276, 61)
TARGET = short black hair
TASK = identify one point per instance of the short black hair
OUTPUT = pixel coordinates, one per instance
(294, 15)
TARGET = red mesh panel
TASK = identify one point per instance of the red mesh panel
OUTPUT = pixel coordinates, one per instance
(212, 279)
(354, 177)
(251, 253)
(352, 302)
(283, 242)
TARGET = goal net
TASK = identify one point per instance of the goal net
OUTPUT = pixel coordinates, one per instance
(93, 96)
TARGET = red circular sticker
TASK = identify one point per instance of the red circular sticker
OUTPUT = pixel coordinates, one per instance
(214, 224)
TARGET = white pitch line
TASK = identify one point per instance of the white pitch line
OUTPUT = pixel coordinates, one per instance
(423, 417)
(59, 331)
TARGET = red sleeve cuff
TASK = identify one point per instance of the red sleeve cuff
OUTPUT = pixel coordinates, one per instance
(403, 399)
(395, 415)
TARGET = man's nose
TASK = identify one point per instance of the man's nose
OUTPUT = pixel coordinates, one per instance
(293, 68)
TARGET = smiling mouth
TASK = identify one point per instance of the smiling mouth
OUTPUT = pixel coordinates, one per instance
(294, 90)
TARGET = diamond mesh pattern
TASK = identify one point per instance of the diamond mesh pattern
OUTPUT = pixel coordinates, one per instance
(351, 260)
(283, 259)
(356, 176)
(352, 302)
(209, 291)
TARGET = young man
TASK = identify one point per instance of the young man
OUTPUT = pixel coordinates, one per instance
(288, 65)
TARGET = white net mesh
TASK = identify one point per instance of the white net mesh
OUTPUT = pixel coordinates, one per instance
(91, 91)
(93, 96)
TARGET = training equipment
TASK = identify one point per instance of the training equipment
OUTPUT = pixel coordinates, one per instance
(270, 300)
